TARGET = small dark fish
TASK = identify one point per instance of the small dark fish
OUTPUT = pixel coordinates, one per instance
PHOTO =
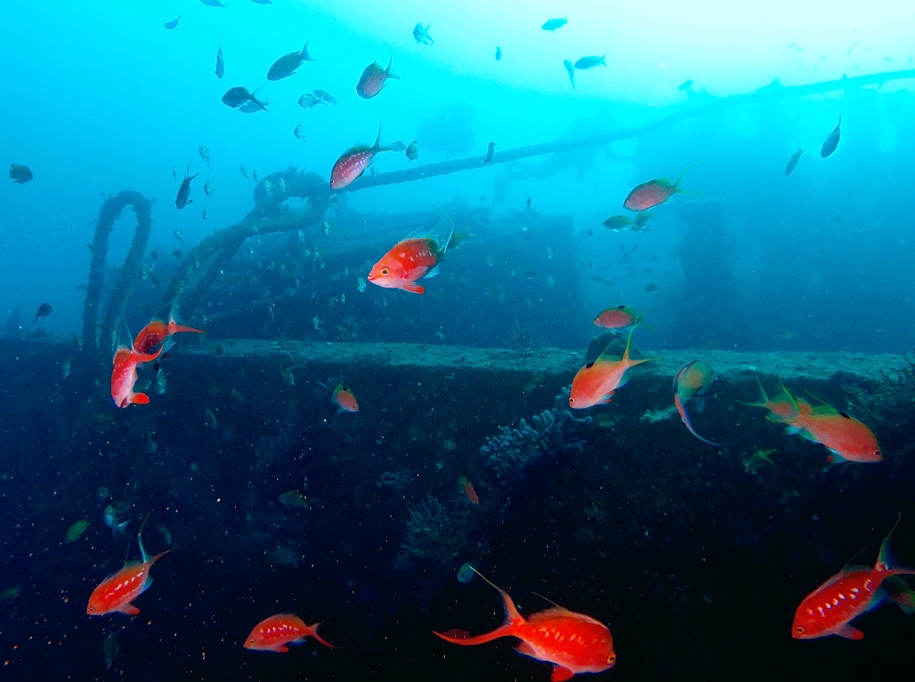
(528, 202)
(154, 254)
(204, 152)
(422, 34)
(652, 289)
(553, 24)
(829, 146)
(617, 222)
(412, 152)
(498, 54)
(640, 222)
(299, 132)
(174, 172)
(20, 174)
(325, 96)
(169, 25)
(43, 311)
(244, 171)
(685, 85)
(220, 62)
(110, 650)
(235, 97)
(490, 151)
(253, 107)
(309, 100)
(207, 188)
(570, 67)
(177, 254)
(204, 214)
(792, 162)
(288, 63)
(213, 3)
(262, 2)
(590, 62)
(184, 192)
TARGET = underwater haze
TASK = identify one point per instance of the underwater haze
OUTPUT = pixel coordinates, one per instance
(412, 249)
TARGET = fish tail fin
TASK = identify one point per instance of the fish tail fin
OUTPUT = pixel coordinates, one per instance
(377, 144)
(603, 57)
(304, 53)
(626, 359)
(313, 632)
(685, 418)
(464, 638)
(139, 399)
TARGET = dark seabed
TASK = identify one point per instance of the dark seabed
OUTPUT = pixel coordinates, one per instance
(249, 467)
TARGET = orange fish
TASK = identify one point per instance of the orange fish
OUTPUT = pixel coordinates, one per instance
(411, 259)
(692, 380)
(124, 376)
(117, 591)
(595, 383)
(830, 608)
(373, 78)
(617, 318)
(275, 632)
(845, 437)
(573, 642)
(782, 408)
(344, 399)
(154, 334)
(467, 487)
(651, 193)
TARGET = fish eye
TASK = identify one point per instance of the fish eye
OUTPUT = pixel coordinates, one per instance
(385, 271)
(877, 453)
(589, 365)
(611, 659)
(800, 629)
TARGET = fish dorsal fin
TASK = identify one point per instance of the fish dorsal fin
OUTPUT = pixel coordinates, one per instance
(885, 561)
(511, 611)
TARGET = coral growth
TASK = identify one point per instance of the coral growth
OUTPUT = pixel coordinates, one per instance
(552, 433)
(435, 534)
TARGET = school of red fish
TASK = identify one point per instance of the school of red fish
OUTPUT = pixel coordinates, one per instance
(573, 643)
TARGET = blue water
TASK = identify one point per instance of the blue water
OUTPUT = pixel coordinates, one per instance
(102, 97)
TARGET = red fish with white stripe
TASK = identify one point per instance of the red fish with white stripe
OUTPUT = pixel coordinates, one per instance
(274, 633)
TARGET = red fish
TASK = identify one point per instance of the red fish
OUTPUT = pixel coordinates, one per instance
(409, 260)
(353, 162)
(652, 193)
(830, 608)
(275, 632)
(467, 487)
(573, 642)
(692, 380)
(124, 376)
(845, 437)
(596, 382)
(617, 318)
(373, 78)
(345, 399)
(117, 591)
(154, 334)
